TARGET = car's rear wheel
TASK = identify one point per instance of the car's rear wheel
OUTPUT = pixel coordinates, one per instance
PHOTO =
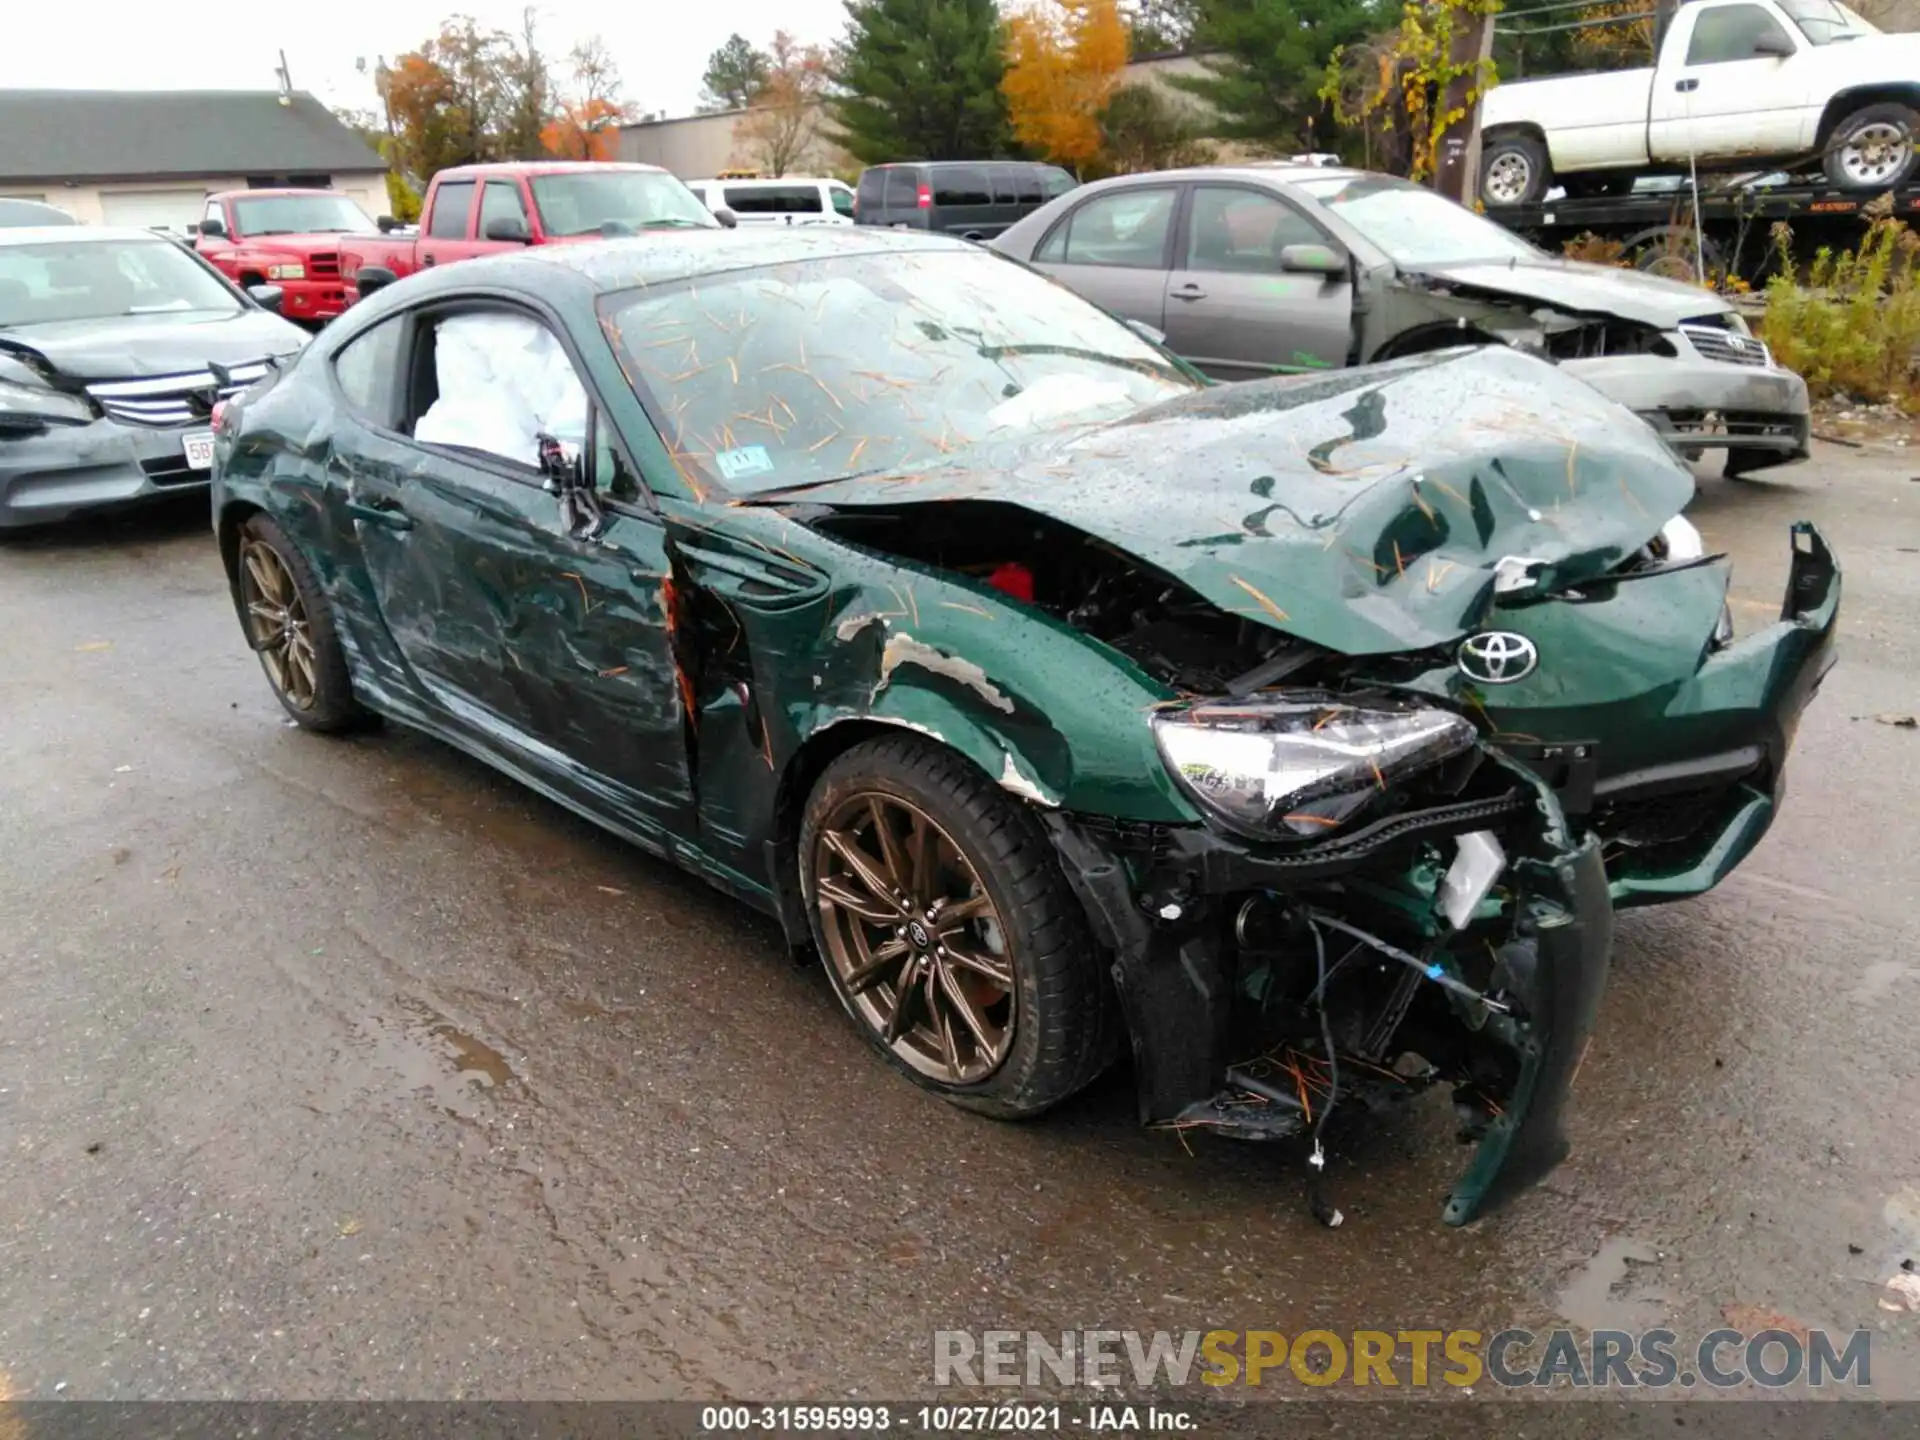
(948, 931)
(1873, 148)
(290, 627)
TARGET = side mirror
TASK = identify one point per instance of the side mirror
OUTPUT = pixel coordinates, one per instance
(726, 217)
(267, 297)
(214, 226)
(387, 224)
(371, 278)
(559, 473)
(1772, 43)
(1146, 332)
(1312, 260)
(507, 229)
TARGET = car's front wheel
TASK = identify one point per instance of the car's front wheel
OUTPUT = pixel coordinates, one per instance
(1514, 170)
(290, 627)
(948, 931)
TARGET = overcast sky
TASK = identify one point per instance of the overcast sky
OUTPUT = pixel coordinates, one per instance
(660, 46)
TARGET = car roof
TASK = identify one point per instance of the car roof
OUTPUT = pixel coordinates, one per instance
(765, 180)
(79, 234)
(41, 213)
(1281, 172)
(543, 167)
(252, 193)
(664, 257)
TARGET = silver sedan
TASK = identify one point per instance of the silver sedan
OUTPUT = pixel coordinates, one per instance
(1270, 269)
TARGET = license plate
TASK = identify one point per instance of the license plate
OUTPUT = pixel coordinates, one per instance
(199, 449)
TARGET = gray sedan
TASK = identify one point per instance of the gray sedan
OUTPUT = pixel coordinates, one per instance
(115, 346)
(1262, 269)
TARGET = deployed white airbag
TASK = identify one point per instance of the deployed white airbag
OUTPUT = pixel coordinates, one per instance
(504, 381)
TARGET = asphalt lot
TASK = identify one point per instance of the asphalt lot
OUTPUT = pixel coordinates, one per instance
(342, 1067)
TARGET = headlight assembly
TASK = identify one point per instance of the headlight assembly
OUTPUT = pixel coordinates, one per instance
(31, 406)
(1295, 768)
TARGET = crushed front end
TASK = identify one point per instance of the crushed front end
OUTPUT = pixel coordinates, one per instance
(1450, 929)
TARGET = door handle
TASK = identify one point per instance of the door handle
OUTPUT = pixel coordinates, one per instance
(426, 260)
(1692, 82)
(1189, 291)
(391, 516)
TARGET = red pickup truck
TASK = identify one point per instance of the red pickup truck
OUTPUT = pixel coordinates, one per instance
(289, 238)
(483, 209)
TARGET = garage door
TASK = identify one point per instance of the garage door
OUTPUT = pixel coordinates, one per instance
(178, 210)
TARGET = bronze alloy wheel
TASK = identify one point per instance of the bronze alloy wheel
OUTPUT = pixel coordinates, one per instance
(277, 623)
(914, 938)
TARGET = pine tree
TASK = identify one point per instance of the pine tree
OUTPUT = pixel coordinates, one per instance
(920, 80)
(1268, 60)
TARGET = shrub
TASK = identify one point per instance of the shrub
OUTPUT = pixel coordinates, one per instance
(1852, 326)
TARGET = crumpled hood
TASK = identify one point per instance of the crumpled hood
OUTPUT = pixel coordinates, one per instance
(1587, 289)
(131, 347)
(1364, 510)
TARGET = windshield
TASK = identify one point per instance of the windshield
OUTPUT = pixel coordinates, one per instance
(1823, 21)
(785, 375)
(1415, 226)
(301, 215)
(585, 202)
(102, 279)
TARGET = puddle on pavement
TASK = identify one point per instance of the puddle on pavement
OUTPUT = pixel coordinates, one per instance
(1617, 1289)
(420, 1052)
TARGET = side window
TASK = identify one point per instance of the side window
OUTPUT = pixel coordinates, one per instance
(873, 189)
(611, 477)
(1025, 182)
(500, 200)
(961, 185)
(365, 370)
(1728, 32)
(450, 206)
(903, 187)
(1230, 229)
(495, 381)
(1055, 182)
(213, 212)
(842, 199)
(1126, 228)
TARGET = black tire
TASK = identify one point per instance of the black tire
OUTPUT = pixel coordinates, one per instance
(330, 705)
(1854, 170)
(1065, 1025)
(1517, 168)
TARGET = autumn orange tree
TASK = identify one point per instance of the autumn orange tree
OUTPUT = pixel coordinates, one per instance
(1064, 61)
(783, 115)
(586, 123)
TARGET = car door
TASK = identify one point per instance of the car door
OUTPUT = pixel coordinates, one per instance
(1115, 248)
(1231, 309)
(449, 222)
(1724, 98)
(544, 640)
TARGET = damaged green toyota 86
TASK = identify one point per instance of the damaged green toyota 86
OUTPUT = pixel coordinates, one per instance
(1301, 737)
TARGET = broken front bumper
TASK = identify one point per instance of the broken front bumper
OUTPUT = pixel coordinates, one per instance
(1163, 901)
(1700, 404)
(70, 469)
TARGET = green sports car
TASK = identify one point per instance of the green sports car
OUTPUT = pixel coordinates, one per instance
(1301, 737)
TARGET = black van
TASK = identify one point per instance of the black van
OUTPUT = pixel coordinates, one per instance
(974, 199)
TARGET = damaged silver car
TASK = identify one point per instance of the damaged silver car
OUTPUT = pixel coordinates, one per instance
(1267, 269)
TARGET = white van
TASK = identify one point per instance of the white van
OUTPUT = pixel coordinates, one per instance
(794, 200)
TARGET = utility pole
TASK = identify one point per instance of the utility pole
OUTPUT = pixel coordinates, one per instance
(1456, 157)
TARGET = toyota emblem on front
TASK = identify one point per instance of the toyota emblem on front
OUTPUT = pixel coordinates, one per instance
(1497, 657)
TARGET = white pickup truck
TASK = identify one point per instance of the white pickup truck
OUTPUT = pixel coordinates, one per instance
(1736, 84)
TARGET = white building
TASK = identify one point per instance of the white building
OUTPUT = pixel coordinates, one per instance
(151, 157)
